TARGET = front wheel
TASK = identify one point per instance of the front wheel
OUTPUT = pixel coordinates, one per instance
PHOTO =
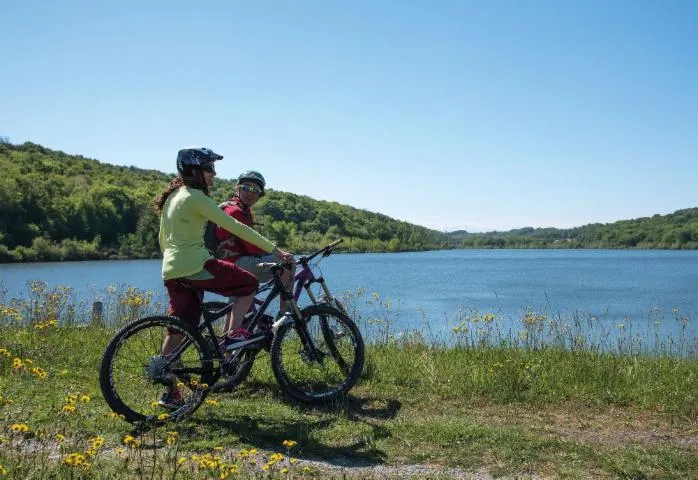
(325, 369)
(134, 373)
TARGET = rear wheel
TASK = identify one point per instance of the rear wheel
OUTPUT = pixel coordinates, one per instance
(134, 374)
(334, 368)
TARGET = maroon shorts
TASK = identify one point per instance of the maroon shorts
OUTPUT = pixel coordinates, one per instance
(228, 280)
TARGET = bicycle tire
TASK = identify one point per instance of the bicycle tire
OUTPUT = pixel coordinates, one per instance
(307, 380)
(242, 368)
(133, 372)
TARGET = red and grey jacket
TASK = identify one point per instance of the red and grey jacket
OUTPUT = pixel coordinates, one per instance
(231, 247)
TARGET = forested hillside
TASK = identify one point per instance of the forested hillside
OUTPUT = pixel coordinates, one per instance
(55, 206)
(678, 230)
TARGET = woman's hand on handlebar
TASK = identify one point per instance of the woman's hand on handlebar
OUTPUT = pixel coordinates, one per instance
(283, 256)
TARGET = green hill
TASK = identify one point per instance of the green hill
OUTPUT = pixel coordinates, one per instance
(678, 230)
(55, 206)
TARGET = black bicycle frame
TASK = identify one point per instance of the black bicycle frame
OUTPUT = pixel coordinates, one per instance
(278, 288)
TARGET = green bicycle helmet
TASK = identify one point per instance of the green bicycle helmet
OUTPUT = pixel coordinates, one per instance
(253, 176)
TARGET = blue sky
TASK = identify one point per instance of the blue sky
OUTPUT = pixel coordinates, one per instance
(448, 114)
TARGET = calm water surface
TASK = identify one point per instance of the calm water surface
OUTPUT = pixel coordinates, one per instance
(615, 286)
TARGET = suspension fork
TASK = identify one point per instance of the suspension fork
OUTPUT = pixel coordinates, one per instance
(326, 291)
(305, 277)
(301, 327)
(326, 296)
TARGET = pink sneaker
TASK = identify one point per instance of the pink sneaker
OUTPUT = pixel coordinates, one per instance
(238, 335)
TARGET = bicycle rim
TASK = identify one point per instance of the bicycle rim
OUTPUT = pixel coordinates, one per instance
(134, 374)
(339, 346)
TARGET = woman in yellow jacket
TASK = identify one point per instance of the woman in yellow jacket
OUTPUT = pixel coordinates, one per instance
(185, 207)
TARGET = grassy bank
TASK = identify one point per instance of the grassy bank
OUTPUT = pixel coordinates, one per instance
(506, 410)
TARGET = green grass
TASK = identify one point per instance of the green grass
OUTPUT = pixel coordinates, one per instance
(501, 410)
(508, 409)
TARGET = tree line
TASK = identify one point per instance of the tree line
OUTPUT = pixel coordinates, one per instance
(55, 206)
(678, 230)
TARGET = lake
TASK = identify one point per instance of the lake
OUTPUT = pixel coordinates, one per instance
(654, 291)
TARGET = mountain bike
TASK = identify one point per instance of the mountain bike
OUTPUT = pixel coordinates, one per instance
(317, 352)
(304, 280)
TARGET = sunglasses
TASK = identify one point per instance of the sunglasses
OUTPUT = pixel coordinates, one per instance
(208, 168)
(251, 189)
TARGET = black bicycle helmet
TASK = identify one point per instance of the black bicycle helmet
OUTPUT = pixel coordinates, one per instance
(194, 157)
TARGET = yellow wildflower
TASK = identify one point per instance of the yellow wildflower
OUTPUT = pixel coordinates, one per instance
(19, 427)
(284, 470)
(39, 372)
(59, 437)
(85, 399)
(171, 438)
(76, 460)
(3, 471)
(276, 457)
(289, 443)
(163, 416)
(17, 363)
(69, 408)
(97, 442)
(181, 461)
(131, 441)
(293, 461)
(207, 461)
(213, 402)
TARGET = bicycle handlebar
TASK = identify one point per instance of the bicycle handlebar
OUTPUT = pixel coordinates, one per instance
(325, 251)
(303, 260)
